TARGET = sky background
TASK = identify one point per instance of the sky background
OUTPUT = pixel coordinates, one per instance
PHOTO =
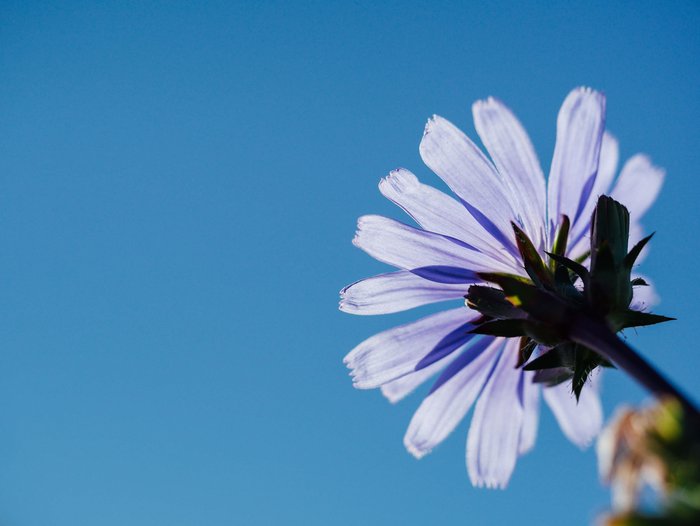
(179, 186)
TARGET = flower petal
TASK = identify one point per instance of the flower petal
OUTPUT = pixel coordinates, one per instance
(395, 292)
(494, 434)
(607, 166)
(401, 387)
(445, 407)
(411, 249)
(396, 352)
(437, 212)
(513, 154)
(580, 127)
(638, 185)
(580, 422)
(465, 169)
(531, 406)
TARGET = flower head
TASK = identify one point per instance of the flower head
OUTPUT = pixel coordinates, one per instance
(459, 240)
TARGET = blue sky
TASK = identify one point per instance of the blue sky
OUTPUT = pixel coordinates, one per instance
(179, 189)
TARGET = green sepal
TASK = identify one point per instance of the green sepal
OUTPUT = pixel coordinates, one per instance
(504, 328)
(525, 350)
(552, 377)
(583, 257)
(561, 237)
(586, 362)
(610, 226)
(636, 250)
(515, 288)
(609, 288)
(633, 318)
(549, 316)
(545, 333)
(491, 302)
(564, 281)
(534, 266)
(561, 356)
(573, 266)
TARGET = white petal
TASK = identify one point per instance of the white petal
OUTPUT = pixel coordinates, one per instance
(465, 169)
(494, 435)
(394, 292)
(580, 127)
(445, 407)
(531, 406)
(437, 212)
(580, 422)
(638, 185)
(396, 352)
(409, 248)
(513, 154)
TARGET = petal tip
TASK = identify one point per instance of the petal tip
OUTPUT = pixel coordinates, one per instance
(487, 482)
(400, 180)
(392, 397)
(488, 102)
(585, 95)
(417, 452)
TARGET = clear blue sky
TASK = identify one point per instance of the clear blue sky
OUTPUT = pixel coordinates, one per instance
(179, 187)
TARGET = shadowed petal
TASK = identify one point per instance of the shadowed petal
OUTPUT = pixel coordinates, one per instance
(513, 154)
(445, 407)
(465, 169)
(401, 387)
(410, 248)
(638, 185)
(437, 212)
(531, 406)
(580, 422)
(494, 434)
(396, 352)
(572, 176)
(394, 292)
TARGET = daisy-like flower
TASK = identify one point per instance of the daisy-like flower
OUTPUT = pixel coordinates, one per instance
(458, 238)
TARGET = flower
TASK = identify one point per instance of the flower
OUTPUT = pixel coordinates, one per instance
(459, 238)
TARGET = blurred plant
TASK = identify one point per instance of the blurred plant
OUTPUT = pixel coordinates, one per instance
(657, 447)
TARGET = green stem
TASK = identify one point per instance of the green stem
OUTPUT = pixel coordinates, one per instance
(596, 335)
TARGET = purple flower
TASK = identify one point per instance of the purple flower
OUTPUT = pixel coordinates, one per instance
(459, 237)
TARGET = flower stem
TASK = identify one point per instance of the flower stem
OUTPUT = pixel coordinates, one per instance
(596, 335)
